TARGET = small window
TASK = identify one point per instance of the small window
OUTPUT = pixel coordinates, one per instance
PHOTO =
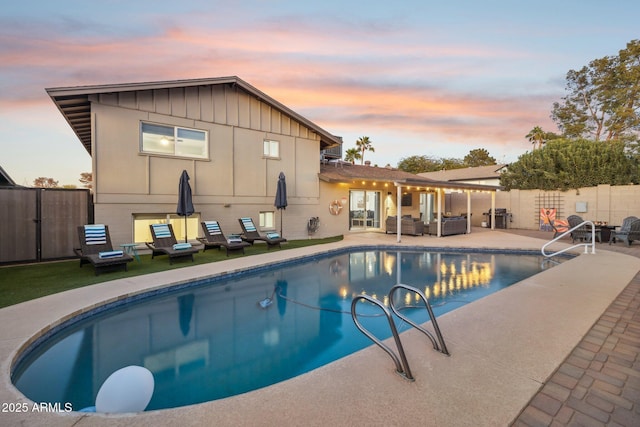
(267, 220)
(174, 141)
(271, 148)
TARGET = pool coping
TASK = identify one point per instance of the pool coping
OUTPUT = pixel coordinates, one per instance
(304, 397)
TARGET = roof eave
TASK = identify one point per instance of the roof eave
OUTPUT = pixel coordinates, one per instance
(73, 103)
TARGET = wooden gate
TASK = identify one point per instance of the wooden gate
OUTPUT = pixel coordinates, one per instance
(38, 224)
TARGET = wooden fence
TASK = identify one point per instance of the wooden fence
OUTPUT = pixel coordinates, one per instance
(38, 224)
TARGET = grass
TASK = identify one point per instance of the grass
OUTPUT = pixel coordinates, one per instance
(25, 282)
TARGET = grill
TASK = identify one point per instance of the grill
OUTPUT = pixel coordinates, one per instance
(501, 216)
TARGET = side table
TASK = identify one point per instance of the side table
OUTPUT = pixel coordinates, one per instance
(131, 249)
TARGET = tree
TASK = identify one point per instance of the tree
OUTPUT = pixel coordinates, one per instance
(364, 144)
(86, 178)
(43, 182)
(536, 136)
(351, 155)
(419, 164)
(452, 163)
(478, 157)
(604, 99)
(564, 164)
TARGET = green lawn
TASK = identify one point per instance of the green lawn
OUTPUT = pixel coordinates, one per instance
(29, 281)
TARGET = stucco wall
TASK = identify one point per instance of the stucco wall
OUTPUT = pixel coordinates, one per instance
(603, 203)
(236, 180)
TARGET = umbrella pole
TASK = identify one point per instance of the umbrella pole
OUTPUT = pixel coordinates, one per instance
(185, 229)
(281, 213)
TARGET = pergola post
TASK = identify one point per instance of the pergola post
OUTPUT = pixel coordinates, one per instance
(468, 211)
(398, 212)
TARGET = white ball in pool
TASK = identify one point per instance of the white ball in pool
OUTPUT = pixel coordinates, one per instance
(126, 390)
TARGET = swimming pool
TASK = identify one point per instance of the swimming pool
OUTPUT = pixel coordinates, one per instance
(212, 339)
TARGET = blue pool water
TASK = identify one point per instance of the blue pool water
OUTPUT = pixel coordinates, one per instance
(211, 340)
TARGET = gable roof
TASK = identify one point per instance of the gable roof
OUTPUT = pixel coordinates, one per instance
(466, 174)
(5, 179)
(345, 172)
(75, 106)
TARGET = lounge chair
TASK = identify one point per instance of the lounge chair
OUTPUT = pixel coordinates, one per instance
(250, 234)
(582, 233)
(215, 238)
(632, 234)
(623, 230)
(96, 249)
(165, 243)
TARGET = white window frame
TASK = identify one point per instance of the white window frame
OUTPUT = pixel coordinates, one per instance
(271, 148)
(141, 222)
(267, 220)
(172, 142)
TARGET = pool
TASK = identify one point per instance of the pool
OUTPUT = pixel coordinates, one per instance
(213, 339)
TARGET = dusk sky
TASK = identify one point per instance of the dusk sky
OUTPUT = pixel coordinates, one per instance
(417, 77)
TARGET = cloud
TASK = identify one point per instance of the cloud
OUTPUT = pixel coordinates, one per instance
(350, 76)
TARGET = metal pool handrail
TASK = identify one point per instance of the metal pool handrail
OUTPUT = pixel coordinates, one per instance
(401, 367)
(439, 345)
(586, 245)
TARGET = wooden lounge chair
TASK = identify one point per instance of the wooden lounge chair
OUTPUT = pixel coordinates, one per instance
(582, 233)
(250, 234)
(632, 234)
(96, 249)
(215, 238)
(623, 230)
(165, 243)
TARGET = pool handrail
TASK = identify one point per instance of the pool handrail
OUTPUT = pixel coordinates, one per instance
(402, 366)
(586, 245)
(439, 345)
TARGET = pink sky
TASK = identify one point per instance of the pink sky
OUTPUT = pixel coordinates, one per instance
(418, 78)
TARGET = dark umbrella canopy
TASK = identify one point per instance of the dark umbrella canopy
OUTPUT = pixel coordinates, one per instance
(185, 203)
(281, 196)
(185, 304)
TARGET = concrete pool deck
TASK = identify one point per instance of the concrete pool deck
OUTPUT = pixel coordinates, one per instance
(504, 349)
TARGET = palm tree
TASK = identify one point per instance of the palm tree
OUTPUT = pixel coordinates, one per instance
(351, 155)
(537, 136)
(364, 144)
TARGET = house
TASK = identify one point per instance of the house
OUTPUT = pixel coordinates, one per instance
(5, 179)
(233, 140)
(486, 175)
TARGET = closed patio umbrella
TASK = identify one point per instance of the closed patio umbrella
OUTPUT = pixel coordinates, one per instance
(281, 196)
(185, 305)
(185, 204)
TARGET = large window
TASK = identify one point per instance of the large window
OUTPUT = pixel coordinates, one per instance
(142, 233)
(271, 148)
(174, 141)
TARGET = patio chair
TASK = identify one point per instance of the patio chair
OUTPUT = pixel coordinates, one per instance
(632, 234)
(96, 249)
(165, 243)
(623, 230)
(250, 234)
(582, 233)
(559, 226)
(215, 238)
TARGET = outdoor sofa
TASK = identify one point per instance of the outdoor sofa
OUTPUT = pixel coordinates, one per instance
(450, 226)
(408, 225)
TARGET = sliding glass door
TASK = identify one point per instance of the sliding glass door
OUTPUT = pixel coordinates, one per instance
(364, 209)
